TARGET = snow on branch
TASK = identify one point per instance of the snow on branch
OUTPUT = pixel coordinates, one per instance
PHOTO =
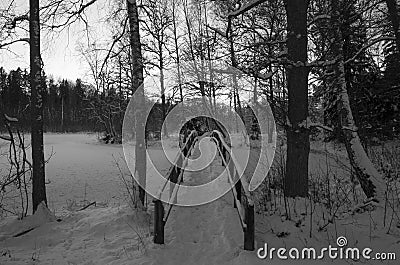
(308, 124)
(218, 31)
(267, 75)
(319, 17)
(350, 128)
(10, 119)
(320, 126)
(319, 63)
(246, 8)
(239, 71)
(373, 42)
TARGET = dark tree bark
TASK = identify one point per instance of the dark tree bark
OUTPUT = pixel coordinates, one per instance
(394, 19)
(138, 90)
(38, 176)
(298, 143)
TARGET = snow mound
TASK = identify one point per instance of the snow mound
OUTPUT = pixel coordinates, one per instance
(15, 227)
(111, 235)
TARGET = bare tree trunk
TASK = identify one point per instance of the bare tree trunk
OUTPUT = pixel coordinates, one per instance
(38, 176)
(209, 58)
(138, 90)
(234, 77)
(271, 90)
(199, 72)
(255, 92)
(370, 179)
(236, 110)
(162, 84)
(178, 66)
(163, 101)
(394, 19)
(298, 142)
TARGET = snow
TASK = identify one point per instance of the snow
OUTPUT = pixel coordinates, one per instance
(115, 233)
(10, 119)
(95, 236)
(81, 169)
(17, 227)
(322, 16)
(207, 234)
(246, 7)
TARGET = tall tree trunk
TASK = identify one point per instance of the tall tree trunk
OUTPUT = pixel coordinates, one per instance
(394, 19)
(38, 163)
(234, 75)
(163, 101)
(213, 102)
(178, 66)
(298, 143)
(162, 84)
(138, 90)
(236, 110)
(199, 72)
(370, 179)
(255, 92)
(271, 89)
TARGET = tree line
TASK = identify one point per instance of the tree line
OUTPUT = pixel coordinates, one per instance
(67, 106)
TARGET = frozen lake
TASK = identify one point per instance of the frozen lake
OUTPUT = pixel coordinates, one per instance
(82, 170)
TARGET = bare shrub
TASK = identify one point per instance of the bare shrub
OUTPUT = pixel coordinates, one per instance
(16, 169)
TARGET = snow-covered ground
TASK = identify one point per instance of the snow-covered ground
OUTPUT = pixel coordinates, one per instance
(116, 234)
(113, 233)
(82, 169)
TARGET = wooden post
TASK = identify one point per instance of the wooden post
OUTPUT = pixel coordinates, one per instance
(249, 230)
(173, 180)
(178, 167)
(158, 222)
(179, 162)
(223, 151)
(184, 150)
(232, 172)
(238, 187)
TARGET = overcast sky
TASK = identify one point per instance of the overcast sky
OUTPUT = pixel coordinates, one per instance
(60, 54)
